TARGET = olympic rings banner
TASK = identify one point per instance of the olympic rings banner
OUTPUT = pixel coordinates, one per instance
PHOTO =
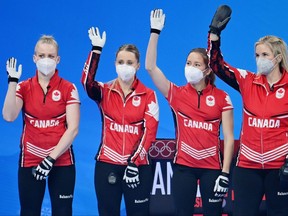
(162, 152)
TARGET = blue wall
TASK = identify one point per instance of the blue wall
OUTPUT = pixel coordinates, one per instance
(126, 21)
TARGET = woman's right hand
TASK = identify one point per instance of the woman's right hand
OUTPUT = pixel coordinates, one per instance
(96, 39)
(13, 74)
(157, 20)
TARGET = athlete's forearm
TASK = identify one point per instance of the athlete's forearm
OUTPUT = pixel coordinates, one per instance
(11, 108)
(73, 117)
(228, 154)
(217, 63)
(64, 143)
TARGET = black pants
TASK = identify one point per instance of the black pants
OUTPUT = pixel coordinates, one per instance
(249, 187)
(109, 195)
(184, 188)
(61, 182)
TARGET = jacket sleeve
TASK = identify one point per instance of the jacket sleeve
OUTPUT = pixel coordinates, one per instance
(92, 87)
(150, 124)
(223, 70)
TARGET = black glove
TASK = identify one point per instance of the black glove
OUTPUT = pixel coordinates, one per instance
(220, 19)
(42, 170)
(221, 185)
(131, 175)
(283, 174)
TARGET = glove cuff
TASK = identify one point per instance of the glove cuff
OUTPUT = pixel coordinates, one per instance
(52, 160)
(12, 79)
(97, 48)
(130, 163)
(157, 31)
(214, 30)
(225, 174)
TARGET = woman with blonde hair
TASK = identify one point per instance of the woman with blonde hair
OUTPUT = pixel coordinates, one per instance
(51, 112)
(262, 162)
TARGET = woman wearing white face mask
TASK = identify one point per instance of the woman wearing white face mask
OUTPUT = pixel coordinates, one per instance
(198, 108)
(129, 120)
(262, 162)
(50, 107)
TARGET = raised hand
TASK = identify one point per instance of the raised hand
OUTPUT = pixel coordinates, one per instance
(96, 40)
(13, 74)
(157, 20)
(220, 19)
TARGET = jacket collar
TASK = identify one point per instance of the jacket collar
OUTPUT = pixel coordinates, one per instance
(54, 79)
(206, 89)
(136, 86)
(262, 80)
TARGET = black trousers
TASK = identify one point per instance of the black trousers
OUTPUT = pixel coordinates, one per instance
(109, 195)
(249, 187)
(184, 189)
(61, 183)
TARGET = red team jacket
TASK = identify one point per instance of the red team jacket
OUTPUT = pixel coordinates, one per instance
(197, 118)
(264, 135)
(129, 124)
(45, 119)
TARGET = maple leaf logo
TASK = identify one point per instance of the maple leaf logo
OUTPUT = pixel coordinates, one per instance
(243, 73)
(74, 93)
(154, 110)
(18, 87)
(228, 100)
(86, 66)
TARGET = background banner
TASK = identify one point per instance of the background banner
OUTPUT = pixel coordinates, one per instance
(162, 152)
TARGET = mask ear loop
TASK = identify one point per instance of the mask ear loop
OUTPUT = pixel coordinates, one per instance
(204, 75)
(277, 61)
(278, 58)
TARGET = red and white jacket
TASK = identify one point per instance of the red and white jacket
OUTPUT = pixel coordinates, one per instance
(264, 135)
(129, 124)
(44, 118)
(198, 118)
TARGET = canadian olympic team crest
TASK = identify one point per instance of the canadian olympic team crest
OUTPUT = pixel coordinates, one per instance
(162, 149)
(56, 95)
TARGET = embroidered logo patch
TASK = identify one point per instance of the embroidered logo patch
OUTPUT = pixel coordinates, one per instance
(280, 93)
(136, 101)
(210, 100)
(56, 95)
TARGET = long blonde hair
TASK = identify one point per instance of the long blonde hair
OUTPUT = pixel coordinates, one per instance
(278, 46)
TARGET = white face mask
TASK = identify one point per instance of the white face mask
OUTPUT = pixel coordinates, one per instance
(46, 66)
(125, 72)
(193, 75)
(265, 66)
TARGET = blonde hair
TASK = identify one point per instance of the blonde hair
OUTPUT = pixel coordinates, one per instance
(47, 39)
(278, 46)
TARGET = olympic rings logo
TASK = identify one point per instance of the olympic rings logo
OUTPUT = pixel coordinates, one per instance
(162, 149)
